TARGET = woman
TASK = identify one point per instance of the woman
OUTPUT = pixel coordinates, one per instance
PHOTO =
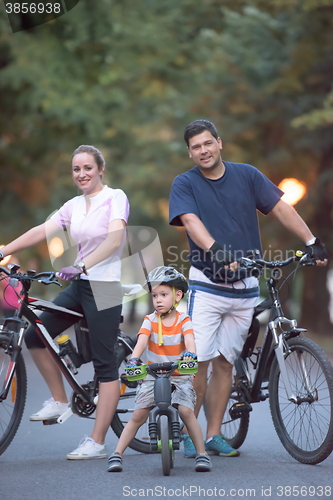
(96, 221)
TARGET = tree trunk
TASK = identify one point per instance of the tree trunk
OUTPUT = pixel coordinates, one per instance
(315, 301)
(316, 297)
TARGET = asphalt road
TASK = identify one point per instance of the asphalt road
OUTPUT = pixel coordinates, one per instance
(34, 467)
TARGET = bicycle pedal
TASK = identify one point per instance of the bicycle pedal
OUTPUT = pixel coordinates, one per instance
(50, 421)
(239, 409)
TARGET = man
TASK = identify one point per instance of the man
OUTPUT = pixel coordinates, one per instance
(217, 203)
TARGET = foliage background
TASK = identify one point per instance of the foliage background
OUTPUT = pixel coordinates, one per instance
(128, 77)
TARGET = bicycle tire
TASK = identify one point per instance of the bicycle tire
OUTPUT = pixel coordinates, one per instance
(12, 408)
(165, 447)
(305, 429)
(234, 431)
(141, 442)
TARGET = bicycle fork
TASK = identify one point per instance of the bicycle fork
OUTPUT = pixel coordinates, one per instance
(162, 396)
(280, 348)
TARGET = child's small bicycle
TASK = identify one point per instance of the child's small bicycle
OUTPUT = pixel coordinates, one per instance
(164, 424)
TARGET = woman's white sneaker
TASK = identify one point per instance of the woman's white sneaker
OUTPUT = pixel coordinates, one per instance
(87, 449)
(51, 409)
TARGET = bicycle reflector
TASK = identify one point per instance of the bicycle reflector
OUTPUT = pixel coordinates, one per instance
(186, 367)
(136, 373)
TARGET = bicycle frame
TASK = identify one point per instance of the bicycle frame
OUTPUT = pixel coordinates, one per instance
(273, 343)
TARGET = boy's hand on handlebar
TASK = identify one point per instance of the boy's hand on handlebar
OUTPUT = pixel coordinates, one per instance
(187, 355)
(134, 362)
(318, 252)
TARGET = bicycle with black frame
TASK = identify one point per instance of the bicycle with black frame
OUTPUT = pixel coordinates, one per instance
(13, 376)
(289, 369)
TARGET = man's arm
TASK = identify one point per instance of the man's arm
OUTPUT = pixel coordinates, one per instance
(197, 231)
(292, 221)
(288, 216)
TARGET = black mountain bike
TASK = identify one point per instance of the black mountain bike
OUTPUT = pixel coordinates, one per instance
(13, 377)
(289, 369)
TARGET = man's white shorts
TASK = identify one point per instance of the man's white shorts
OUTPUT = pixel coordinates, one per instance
(220, 323)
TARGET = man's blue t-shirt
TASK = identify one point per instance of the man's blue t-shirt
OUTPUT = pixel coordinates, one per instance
(228, 209)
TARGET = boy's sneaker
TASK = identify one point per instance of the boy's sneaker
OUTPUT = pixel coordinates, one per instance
(202, 463)
(217, 445)
(115, 462)
(87, 449)
(51, 409)
(189, 448)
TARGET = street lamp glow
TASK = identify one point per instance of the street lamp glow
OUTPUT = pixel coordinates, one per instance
(294, 190)
(56, 247)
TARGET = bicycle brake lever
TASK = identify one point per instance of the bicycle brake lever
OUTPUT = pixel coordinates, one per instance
(50, 281)
(307, 260)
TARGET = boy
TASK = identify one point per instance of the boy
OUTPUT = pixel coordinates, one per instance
(164, 334)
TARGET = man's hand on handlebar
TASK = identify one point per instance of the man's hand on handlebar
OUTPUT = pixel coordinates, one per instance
(223, 257)
(318, 252)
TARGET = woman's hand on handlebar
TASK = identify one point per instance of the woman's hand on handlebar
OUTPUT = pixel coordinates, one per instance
(70, 273)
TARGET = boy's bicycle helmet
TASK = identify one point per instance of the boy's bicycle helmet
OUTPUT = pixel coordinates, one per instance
(164, 275)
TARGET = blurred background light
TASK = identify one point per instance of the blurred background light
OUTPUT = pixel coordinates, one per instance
(293, 189)
(56, 247)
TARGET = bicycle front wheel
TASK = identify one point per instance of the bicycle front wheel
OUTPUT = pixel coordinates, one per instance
(11, 408)
(165, 445)
(304, 427)
(125, 408)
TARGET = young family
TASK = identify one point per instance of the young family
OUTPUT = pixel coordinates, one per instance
(217, 203)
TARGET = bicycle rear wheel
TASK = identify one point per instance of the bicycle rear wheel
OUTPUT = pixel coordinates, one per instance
(125, 408)
(305, 428)
(11, 409)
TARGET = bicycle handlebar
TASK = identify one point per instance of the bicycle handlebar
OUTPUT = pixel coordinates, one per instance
(47, 278)
(302, 257)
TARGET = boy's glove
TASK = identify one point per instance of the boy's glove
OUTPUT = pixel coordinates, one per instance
(317, 251)
(134, 362)
(221, 256)
(187, 354)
